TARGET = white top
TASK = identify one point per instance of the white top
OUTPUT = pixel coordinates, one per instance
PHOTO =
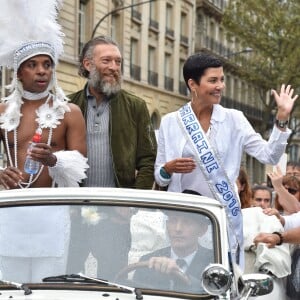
(276, 260)
(292, 221)
(231, 134)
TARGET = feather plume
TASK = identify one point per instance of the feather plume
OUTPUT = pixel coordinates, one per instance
(23, 21)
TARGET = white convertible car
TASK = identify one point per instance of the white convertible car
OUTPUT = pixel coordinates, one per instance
(102, 243)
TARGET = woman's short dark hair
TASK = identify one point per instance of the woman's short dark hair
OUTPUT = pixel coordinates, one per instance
(196, 64)
(87, 52)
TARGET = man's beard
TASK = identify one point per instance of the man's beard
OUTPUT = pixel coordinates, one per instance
(103, 87)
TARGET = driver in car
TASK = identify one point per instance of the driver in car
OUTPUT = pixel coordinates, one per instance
(179, 266)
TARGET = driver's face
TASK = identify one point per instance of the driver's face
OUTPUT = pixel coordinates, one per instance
(184, 232)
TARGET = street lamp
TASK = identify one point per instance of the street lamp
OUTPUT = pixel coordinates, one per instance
(116, 10)
(246, 50)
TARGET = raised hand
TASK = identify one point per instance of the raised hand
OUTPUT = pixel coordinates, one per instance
(285, 101)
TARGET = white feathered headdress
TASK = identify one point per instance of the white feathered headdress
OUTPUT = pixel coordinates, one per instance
(27, 27)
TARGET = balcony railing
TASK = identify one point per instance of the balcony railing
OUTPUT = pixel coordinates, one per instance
(153, 24)
(169, 32)
(153, 78)
(213, 4)
(249, 111)
(216, 47)
(218, 3)
(135, 72)
(169, 83)
(184, 40)
(136, 15)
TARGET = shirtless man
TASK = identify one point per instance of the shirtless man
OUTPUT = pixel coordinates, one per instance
(62, 125)
(37, 103)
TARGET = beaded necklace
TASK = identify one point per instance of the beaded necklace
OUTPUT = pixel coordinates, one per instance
(32, 178)
(47, 117)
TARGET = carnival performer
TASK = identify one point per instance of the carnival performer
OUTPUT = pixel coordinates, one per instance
(36, 105)
(200, 146)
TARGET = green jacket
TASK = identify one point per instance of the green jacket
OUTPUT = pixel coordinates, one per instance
(132, 139)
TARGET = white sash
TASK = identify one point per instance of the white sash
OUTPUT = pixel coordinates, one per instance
(215, 175)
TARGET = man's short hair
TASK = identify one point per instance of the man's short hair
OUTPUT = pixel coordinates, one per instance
(199, 218)
(87, 51)
(293, 163)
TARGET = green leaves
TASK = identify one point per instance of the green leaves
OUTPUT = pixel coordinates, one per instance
(272, 29)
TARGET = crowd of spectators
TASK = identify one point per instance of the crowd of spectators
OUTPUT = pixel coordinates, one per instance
(279, 201)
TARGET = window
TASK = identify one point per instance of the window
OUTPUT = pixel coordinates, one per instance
(135, 11)
(116, 28)
(135, 69)
(169, 20)
(236, 93)
(153, 23)
(182, 86)
(152, 74)
(168, 72)
(244, 90)
(226, 91)
(212, 35)
(183, 29)
(82, 24)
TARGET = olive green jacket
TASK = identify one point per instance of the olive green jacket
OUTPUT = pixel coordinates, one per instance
(132, 139)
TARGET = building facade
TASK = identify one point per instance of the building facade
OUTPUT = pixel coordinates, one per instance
(155, 39)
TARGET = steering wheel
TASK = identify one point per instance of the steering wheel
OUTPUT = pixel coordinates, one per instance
(144, 264)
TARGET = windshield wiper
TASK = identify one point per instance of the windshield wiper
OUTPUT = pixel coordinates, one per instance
(83, 278)
(66, 278)
(21, 286)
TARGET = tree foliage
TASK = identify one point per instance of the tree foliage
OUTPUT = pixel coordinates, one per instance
(272, 29)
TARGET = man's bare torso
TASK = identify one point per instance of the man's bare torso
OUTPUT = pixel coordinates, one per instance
(25, 131)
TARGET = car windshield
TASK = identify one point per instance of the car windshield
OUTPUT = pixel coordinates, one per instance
(146, 247)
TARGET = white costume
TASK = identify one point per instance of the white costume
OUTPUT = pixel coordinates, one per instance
(276, 260)
(230, 135)
(34, 240)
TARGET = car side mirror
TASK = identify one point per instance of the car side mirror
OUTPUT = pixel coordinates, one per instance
(216, 280)
(255, 285)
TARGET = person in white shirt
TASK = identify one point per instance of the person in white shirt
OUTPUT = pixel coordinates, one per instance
(291, 233)
(200, 146)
